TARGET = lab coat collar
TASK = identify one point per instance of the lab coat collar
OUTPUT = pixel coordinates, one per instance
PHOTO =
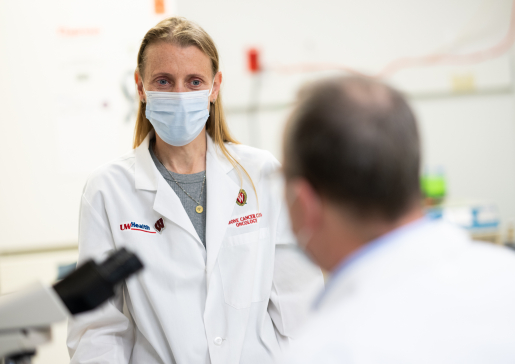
(145, 171)
(219, 156)
(222, 192)
(166, 202)
(375, 246)
(397, 254)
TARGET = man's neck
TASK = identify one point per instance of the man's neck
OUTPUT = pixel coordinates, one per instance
(348, 234)
(188, 159)
(376, 228)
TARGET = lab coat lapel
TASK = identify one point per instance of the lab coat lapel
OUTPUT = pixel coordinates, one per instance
(166, 203)
(145, 178)
(222, 192)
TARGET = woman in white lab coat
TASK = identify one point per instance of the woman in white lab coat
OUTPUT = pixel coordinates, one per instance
(223, 282)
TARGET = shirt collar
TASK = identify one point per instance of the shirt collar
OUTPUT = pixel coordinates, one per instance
(367, 251)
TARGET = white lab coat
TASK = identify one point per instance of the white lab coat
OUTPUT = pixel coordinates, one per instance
(430, 295)
(238, 301)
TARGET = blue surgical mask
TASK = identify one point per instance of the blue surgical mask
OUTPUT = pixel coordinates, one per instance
(178, 117)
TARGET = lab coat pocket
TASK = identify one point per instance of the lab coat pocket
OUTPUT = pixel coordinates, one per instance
(246, 267)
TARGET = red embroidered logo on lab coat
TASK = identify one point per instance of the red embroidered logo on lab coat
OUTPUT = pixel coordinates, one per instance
(242, 198)
(159, 225)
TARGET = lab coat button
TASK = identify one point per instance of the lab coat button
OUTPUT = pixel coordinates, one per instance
(218, 341)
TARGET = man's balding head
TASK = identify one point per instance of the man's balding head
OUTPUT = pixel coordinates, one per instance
(356, 142)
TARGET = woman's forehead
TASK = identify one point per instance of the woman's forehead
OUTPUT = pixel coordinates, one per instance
(173, 59)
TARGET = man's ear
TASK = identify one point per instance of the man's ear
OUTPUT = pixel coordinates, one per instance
(304, 204)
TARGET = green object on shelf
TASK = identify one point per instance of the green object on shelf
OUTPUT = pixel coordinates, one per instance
(433, 186)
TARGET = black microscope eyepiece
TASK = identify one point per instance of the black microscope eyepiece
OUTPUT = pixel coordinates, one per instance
(92, 284)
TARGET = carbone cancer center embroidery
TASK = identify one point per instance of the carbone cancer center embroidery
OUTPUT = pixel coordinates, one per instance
(246, 220)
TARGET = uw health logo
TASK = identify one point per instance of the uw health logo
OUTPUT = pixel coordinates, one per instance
(242, 198)
(137, 227)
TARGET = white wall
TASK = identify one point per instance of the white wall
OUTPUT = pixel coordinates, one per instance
(64, 112)
(365, 35)
(63, 64)
(471, 136)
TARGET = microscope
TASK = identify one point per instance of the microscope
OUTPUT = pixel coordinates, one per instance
(26, 315)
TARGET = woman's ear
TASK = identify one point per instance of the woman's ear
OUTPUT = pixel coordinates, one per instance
(139, 85)
(216, 87)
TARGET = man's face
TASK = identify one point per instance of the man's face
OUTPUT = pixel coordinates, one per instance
(305, 210)
(324, 231)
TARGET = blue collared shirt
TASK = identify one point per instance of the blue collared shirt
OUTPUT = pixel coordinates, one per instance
(367, 250)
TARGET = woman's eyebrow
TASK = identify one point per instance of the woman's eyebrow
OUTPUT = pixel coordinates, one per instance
(196, 75)
(163, 74)
(169, 75)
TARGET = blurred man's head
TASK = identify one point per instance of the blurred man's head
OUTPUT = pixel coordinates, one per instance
(351, 161)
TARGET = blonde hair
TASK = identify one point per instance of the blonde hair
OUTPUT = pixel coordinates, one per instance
(182, 32)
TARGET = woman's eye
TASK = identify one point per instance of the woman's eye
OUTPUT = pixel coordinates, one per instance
(195, 82)
(162, 82)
